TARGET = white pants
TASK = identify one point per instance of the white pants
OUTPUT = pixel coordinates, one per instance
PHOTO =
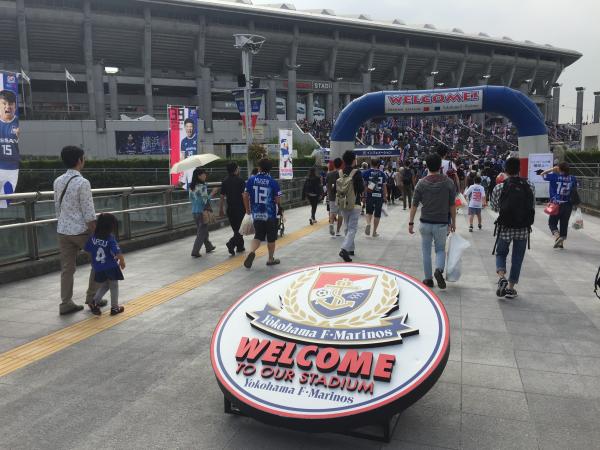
(351, 221)
(8, 183)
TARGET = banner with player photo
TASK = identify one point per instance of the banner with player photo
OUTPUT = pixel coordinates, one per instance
(9, 134)
(142, 142)
(286, 169)
(183, 139)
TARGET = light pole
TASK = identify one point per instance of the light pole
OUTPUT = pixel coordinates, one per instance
(250, 44)
(433, 73)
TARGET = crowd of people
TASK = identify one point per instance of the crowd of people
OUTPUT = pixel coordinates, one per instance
(436, 183)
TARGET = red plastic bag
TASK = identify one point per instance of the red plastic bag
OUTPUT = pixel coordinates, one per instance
(552, 209)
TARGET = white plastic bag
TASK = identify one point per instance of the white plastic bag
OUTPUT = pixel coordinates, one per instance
(577, 222)
(461, 201)
(247, 226)
(456, 245)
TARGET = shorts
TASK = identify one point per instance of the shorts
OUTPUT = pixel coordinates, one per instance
(333, 207)
(374, 206)
(265, 230)
(474, 211)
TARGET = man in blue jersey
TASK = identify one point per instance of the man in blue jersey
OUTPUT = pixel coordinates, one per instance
(376, 195)
(9, 144)
(261, 199)
(189, 144)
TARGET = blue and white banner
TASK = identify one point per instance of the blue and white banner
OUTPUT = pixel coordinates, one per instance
(286, 169)
(9, 134)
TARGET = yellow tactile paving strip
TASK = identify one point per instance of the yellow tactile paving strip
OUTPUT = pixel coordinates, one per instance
(43, 347)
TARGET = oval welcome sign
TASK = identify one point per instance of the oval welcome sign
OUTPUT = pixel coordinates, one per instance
(331, 347)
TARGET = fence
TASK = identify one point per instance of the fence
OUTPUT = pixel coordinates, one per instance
(589, 191)
(28, 225)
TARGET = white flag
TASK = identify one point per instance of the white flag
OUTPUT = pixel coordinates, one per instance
(69, 76)
(25, 77)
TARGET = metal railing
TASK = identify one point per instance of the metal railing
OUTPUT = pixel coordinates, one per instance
(589, 191)
(28, 225)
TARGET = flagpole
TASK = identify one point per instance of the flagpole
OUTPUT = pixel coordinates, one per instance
(68, 104)
(23, 93)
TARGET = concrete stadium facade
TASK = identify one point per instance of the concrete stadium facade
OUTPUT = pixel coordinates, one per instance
(181, 52)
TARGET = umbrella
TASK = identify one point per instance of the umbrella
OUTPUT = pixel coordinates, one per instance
(193, 162)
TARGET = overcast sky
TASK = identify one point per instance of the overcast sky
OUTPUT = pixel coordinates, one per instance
(571, 24)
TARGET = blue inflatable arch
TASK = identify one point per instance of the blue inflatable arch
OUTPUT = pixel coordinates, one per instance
(512, 104)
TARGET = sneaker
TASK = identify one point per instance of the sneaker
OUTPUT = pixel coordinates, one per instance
(345, 255)
(351, 252)
(331, 230)
(230, 248)
(428, 282)
(249, 260)
(510, 293)
(310, 221)
(117, 310)
(375, 234)
(471, 229)
(211, 248)
(241, 250)
(95, 309)
(480, 226)
(196, 255)
(69, 308)
(439, 277)
(501, 290)
(559, 243)
(368, 229)
(556, 241)
(273, 262)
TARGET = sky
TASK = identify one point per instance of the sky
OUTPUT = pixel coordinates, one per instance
(569, 24)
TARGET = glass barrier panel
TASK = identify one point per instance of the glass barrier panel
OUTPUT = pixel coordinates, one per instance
(142, 222)
(13, 241)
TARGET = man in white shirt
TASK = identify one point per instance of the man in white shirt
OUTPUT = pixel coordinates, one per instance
(76, 215)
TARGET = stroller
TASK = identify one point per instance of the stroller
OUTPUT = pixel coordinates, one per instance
(280, 222)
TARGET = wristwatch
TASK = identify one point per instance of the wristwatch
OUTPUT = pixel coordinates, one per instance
(410, 223)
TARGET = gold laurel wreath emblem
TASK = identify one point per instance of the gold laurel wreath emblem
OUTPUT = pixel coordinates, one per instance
(290, 306)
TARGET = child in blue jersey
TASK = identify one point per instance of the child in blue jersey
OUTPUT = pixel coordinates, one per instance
(376, 195)
(107, 262)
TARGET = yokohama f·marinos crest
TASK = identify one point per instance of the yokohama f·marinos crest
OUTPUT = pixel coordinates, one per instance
(337, 309)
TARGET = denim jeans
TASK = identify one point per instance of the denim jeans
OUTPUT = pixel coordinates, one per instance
(518, 254)
(563, 216)
(433, 233)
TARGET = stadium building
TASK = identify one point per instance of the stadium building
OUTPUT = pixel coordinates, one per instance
(311, 65)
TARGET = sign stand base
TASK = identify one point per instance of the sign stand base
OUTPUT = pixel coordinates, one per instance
(387, 426)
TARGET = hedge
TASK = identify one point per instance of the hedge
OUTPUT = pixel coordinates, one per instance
(38, 174)
(588, 156)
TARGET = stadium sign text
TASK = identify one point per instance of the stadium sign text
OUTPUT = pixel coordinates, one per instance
(331, 346)
(432, 102)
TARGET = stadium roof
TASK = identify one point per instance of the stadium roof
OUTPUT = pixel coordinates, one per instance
(328, 16)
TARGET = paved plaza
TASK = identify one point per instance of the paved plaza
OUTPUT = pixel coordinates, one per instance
(522, 374)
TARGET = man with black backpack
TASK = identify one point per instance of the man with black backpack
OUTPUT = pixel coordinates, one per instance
(408, 182)
(514, 200)
(349, 188)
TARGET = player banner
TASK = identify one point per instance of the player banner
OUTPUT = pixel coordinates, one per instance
(9, 134)
(256, 96)
(183, 138)
(142, 142)
(286, 170)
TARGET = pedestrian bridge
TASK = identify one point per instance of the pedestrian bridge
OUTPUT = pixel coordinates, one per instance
(523, 373)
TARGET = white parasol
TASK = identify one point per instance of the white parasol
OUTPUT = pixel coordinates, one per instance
(193, 161)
